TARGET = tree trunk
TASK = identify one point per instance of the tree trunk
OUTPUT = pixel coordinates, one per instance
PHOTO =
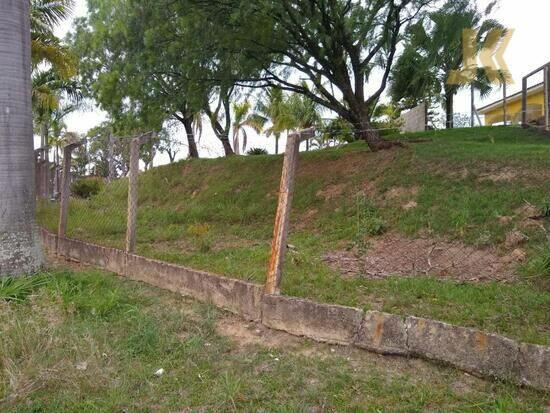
(20, 250)
(193, 150)
(223, 136)
(365, 131)
(236, 144)
(449, 110)
(277, 136)
(45, 184)
(228, 150)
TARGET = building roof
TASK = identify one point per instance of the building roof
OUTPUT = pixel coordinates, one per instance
(516, 96)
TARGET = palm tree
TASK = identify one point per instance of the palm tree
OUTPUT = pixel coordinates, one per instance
(48, 90)
(275, 108)
(20, 250)
(50, 84)
(304, 113)
(45, 46)
(243, 119)
(435, 50)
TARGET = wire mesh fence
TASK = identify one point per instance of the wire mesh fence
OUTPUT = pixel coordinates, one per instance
(89, 216)
(446, 211)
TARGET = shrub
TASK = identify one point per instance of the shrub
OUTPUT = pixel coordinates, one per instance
(256, 151)
(539, 265)
(86, 187)
(202, 236)
(18, 289)
(369, 222)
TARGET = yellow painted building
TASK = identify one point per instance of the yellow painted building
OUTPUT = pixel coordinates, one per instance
(494, 112)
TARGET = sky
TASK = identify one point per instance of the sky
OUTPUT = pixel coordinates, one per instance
(527, 51)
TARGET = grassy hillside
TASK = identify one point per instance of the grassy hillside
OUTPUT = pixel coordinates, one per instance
(460, 219)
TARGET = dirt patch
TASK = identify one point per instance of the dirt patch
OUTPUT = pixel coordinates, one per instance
(401, 192)
(331, 192)
(246, 334)
(502, 175)
(348, 164)
(306, 219)
(394, 254)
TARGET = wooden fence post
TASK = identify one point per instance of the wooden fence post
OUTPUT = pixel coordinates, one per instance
(282, 219)
(111, 156)
(66, 188)
(135, 146)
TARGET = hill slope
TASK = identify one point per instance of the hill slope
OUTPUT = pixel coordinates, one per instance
(452, 228)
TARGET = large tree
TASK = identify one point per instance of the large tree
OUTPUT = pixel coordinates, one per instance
(20, 250)
(157, 60)
(336, 45)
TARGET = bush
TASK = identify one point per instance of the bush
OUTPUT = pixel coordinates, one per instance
(256, 151)
(18, 289)
(369, 222)
(86, 187)
(539, 265)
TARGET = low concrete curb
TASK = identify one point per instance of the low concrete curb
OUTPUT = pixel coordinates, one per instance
(321, 322)
(49, 241)
(383, 333)
(236, 296)
(471, 350)
(534, 366)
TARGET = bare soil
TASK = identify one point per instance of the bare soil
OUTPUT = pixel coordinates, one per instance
(394, 254)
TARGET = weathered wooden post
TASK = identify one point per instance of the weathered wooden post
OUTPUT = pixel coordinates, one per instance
(111, 155)
(66, 187)
(135, 146)
(282, 219)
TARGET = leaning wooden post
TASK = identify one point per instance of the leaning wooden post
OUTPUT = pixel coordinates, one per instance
(66, 188)
(135, 146)
(282, 219)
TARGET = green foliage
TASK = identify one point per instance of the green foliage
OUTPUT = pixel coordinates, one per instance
(369, 221)
(95, 296)
(202, 235)
(19, 288)
(256, 151)
(340, 130)
(539, 264)
(324, 52)
(86, 187)
(434, 48)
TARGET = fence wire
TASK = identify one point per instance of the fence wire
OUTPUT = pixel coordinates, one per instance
(475, 223)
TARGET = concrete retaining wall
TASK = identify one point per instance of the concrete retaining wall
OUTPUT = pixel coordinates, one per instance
(321, 322)
(237, 296)
(49, 241)
(474, 351)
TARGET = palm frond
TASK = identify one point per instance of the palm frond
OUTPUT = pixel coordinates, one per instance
(47, 14)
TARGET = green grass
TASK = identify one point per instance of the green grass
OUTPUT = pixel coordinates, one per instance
(218, 215)
(91, 342)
